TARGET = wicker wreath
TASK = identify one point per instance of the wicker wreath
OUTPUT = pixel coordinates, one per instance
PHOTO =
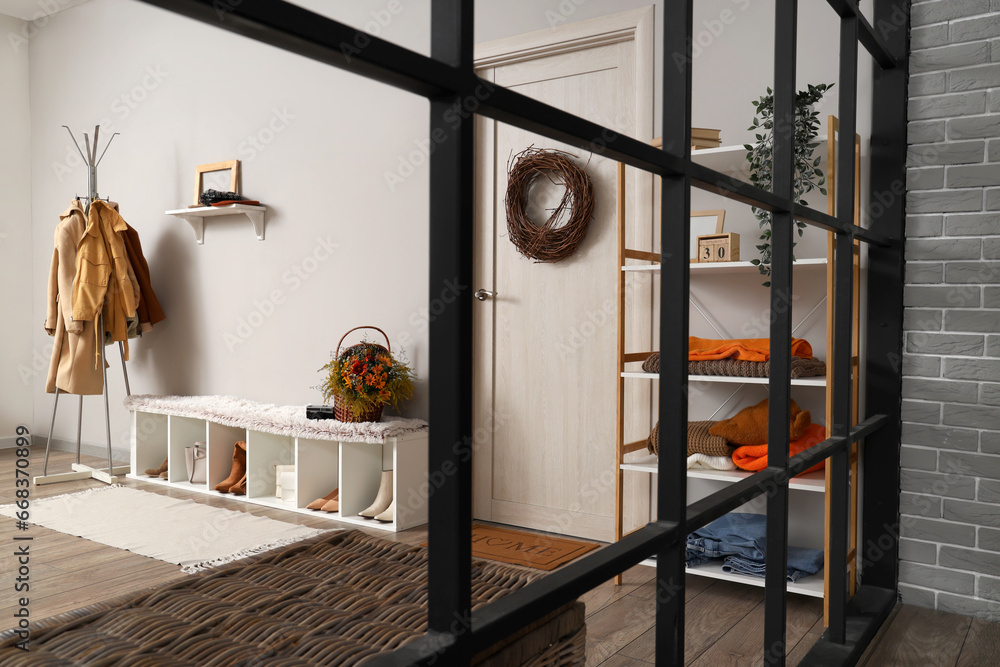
(548, 243)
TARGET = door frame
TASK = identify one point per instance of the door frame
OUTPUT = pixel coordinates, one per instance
(636, 25)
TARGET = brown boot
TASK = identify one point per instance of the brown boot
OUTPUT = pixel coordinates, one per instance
(156, 472)
(240, 487)
(239, 468)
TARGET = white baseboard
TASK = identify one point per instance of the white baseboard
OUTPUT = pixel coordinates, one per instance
(11, 442)
(87, 448)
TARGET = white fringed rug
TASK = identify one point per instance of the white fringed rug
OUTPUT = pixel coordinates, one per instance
(183, 532)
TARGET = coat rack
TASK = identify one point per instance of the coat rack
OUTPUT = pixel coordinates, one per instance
(80, 470)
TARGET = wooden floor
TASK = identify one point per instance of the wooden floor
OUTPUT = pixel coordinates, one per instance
(725, 621)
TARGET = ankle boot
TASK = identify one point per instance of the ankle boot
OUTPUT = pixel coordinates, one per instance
(389, 514)
(383, 499)
(156, 472)
(240, 487)
(239, 470)
(320, 502)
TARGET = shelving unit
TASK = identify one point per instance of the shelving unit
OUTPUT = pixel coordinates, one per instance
(320, 466)
(196, 217)
(731, 160)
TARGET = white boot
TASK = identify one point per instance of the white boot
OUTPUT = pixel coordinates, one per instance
(383, 499)
(388, 515)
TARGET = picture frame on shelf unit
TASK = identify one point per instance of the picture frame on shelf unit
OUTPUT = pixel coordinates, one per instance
(704, 223)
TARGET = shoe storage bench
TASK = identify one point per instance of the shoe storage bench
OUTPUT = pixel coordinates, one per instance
(326, 454)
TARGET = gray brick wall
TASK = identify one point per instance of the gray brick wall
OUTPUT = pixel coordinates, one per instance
(950, 500)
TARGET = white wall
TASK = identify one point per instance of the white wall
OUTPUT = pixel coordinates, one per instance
(183, 93)
(15, 234)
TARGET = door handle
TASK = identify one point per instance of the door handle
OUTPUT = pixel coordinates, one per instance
(483, 294)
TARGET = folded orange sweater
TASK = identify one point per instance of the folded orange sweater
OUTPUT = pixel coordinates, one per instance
(754, 457)
(749, 349)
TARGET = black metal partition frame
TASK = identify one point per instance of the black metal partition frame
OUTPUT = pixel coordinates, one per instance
(448, 80)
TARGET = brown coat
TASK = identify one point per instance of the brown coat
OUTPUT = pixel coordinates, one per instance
(71, 368)
(149, 309)
(105, 283)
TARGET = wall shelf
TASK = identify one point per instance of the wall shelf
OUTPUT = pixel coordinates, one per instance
(196, 217)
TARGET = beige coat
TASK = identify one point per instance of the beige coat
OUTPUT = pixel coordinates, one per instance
(105, 283)
(72, 367)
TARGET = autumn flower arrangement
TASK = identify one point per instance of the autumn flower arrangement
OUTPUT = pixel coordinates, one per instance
(363, 379)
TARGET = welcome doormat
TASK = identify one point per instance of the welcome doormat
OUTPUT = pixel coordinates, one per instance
(542, 552)
(183, 532)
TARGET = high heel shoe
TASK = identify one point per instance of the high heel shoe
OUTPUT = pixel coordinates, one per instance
(239, 470)
(332, 505)
(383, 499)
(389, 514)
(156, 472)
(319, 502)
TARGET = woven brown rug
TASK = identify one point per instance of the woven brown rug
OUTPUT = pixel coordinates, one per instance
(339, 599)
(517, 547)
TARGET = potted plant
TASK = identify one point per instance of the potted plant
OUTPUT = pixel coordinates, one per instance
(808, 175)
(364, 378)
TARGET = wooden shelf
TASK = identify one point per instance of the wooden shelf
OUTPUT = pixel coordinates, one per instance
(196, 217)
(811, 585)
(814, 481)
(817, 381)
(720, 268)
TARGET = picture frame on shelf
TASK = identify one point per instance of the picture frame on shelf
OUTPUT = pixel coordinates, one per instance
(232, 166)
(704, 223)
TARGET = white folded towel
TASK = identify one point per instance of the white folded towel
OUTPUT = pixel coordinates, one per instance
(704, 461)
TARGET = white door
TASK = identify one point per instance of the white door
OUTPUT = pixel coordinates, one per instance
(545, 345)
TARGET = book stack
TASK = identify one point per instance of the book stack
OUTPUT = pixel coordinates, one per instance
(705, 138)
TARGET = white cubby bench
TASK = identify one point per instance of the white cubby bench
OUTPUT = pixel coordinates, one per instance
(327, 454)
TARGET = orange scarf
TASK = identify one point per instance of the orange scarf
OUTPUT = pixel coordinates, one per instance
(748, 349)
(754, 457)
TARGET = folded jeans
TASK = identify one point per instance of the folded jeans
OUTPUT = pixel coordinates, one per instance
(741, 538)
(806, 562)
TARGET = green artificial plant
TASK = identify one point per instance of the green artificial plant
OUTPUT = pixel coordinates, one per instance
(808, 175)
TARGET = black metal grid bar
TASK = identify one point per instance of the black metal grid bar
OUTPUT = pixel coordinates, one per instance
(450, 336)
(843, 330)
(306, 33)
(779, 386)
(875, 45)
(884, 349)
(447, 79)
(674, 283)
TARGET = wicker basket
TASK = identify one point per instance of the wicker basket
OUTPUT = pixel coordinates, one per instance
(343, 412)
